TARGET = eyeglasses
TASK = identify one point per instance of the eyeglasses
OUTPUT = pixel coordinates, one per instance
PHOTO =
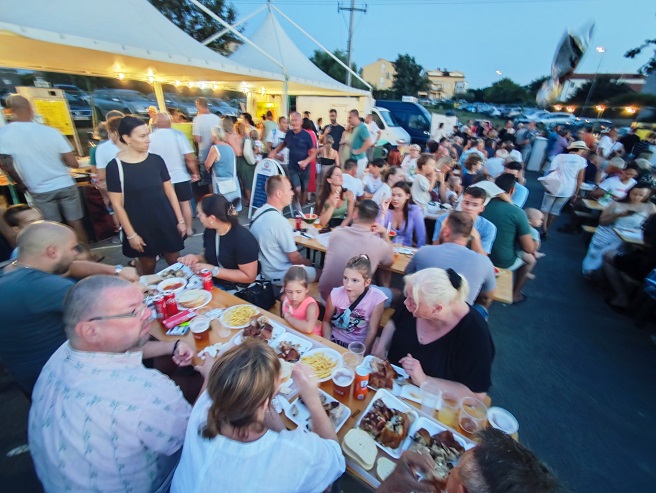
(137, 312)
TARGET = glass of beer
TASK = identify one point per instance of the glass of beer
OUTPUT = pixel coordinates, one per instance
(342, 377)
(200, 328)
(472, 415)
(448, 413)
(356, 353)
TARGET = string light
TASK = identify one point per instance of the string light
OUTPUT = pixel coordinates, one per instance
(121, 76)
(570, 109)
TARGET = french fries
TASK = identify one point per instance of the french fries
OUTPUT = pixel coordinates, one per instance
(322, 365)
(240, 315)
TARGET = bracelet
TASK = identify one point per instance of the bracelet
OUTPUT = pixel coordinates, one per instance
(133, 236)
(175, 346)
(181, 222)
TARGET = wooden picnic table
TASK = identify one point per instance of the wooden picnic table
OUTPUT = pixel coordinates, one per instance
(222, 299)
(503, 292)
(593, 204)
(630, 236)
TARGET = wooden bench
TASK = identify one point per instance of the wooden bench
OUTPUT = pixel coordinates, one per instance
(589, 229)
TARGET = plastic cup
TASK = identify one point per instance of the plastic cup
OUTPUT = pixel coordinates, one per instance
(431, 397)
(200, 328)
(342, 377)
(220, 329)
(502, 420)
(472, 415)
(357, 349)
(448, 413)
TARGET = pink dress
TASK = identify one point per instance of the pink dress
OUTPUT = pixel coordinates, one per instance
(301, 312)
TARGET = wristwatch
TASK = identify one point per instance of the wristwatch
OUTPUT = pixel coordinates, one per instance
(117, 269)
(215, 271)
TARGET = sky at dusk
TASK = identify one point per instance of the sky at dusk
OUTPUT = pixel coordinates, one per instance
(477, 37)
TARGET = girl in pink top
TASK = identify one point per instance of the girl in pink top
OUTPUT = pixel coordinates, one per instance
(299, 309)
(347, 321)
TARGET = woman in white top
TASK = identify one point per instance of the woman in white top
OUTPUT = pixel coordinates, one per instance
(570, 167)
(628, 213)
(391, 177)
(409, 163)
(235, 441)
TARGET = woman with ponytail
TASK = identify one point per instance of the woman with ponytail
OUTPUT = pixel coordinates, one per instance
(436, 336)
(236, 441)
(230, 249)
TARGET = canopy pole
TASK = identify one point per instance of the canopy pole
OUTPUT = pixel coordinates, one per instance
(285, 98)
(159, 95)
(221, 33)
(320, 46)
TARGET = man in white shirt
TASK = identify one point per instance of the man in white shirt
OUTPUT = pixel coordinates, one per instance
(276, 137)
(374, 134)
(100, 420)
(179, 157)
(351, 180)
(42, 156)
(608, 145)
(202, 125)
(275, 234)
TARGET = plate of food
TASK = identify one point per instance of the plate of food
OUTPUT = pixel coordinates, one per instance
(336, 411)
(388, 420)
(175, 284)
(238, 316)
(444, 446)
(290, 347)
(261, 328)
(384, 375)
(323, 361)
(193, 298)
(176, 270)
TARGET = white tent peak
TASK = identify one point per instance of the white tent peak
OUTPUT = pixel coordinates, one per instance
(272, 38)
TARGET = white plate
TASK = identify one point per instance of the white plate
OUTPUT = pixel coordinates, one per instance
(396, 389)
(207, 294)
(411, 393)
(163, 286)
(433, 427)
(393, 403)
(177, 266)
(230, 310)
(302, 417)
(303, 345)
(277, 331)
(331, 353)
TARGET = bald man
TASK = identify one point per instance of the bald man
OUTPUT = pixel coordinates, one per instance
(41, 156)
(32, 293)
(174, 148)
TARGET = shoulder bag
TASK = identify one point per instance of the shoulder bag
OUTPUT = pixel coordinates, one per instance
(249, 154)
(226, 185)
(341, 321)
(553, 182)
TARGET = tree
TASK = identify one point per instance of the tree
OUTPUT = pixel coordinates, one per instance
(410, 77)
(333, 69)
(505, 91)
(604, 89)
(196, 23)
(650, 66)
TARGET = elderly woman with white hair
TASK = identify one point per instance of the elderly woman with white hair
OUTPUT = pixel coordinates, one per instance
(221, 163)
(435, 335)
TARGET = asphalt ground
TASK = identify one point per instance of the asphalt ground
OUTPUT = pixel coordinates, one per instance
(580, 378)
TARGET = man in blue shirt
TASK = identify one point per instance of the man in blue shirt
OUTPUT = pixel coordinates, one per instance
(484, 232)
(361, 141)
(301, 153)
(520, 195)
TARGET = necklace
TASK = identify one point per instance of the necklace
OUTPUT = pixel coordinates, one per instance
(24, 266)
(225, 232)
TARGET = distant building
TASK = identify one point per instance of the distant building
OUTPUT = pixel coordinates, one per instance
(635, 81)
(380, 74)
(444, 84)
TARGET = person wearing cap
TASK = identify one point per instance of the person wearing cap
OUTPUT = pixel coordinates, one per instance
(570, 168)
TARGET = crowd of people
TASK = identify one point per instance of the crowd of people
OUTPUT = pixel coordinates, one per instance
(102, 421)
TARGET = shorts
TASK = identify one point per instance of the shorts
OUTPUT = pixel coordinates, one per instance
(183, 191)
(65, 201)
(299, 178)
(516, 264)
(553, 205)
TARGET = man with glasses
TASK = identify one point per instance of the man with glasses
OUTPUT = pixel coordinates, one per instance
(100, 420)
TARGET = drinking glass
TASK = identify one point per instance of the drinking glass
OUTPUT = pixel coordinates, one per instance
(431, 397)
(448, 413)
(200, 329)
(357, 349)
(472, 415)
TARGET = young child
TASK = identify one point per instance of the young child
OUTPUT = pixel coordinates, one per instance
(298, 308)
(353, 311)
(372, 179)
(454, 189)
(257, 144)
(535, 220)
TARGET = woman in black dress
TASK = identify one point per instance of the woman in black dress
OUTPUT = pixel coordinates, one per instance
(141, 193)
(231, 250)
(435, 335)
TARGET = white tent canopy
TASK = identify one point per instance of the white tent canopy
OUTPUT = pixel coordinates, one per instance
(304, 77)
(129, 37)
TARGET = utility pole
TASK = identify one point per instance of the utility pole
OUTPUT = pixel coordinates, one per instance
(349, 46)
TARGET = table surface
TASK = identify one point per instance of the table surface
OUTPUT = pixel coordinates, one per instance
(502, 293)
(221, 299)
(622, 233)
(593, 204)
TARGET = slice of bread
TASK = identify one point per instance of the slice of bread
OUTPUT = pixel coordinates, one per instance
(384, 468)
(360, 446)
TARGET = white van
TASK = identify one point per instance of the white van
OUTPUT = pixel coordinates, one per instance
(391, 130)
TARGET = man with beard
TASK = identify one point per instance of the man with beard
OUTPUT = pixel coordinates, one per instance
(100, 420)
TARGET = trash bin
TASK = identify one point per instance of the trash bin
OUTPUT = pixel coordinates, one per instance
(537, 154)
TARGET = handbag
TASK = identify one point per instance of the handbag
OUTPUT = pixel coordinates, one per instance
(229, 185)
(553, 182)
(260, 293)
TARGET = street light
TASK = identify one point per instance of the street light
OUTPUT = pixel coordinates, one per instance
(601, 50)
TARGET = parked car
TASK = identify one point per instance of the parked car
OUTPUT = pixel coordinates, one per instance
(391, 130)
(80, 109)
(175, 101)
(413, 117)
(221, 108)
(72, 89)
(124, 100)
(556, 118)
